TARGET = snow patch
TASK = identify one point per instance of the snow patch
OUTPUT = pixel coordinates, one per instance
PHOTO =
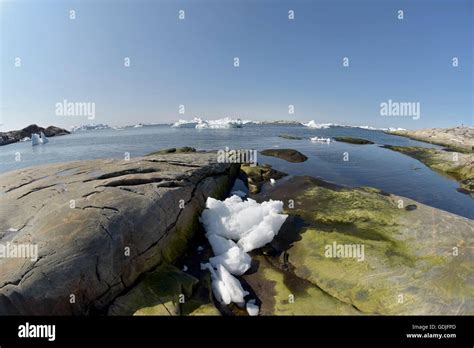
(233, 228)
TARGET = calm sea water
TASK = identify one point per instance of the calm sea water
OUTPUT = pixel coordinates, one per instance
(368, 165)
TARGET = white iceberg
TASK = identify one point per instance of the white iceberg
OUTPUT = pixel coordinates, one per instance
(223, 123)
(313, 124)
(36, 139)
(43, 138)
(187, 124)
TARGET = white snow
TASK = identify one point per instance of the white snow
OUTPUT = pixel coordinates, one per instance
(252, 308)
(220, 244)
(233, 228)
(239, 193)
(272, 181)
(235, 260)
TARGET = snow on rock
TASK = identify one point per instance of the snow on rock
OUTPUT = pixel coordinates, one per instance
(233, 228)
(235, 260)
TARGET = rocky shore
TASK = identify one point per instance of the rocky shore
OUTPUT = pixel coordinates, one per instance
(459, 166)
(17, 135)
(458, 138)
(99, 226)
(123, 238)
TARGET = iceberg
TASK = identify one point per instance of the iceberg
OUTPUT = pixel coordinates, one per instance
(233, 228)
(187, 124)
(313, 124)
(43, 138)
(223, 123)
(36, 139)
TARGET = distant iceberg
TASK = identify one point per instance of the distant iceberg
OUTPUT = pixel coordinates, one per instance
(223, 123)
(313, 124)
(187, 124)
(88, 127)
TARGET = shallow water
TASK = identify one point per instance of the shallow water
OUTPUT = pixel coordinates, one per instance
(367, 165)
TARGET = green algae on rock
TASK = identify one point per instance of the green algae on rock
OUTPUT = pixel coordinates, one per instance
(414, 262)
(289, 155)
(290, 137)
(352, 140)
(459, 166)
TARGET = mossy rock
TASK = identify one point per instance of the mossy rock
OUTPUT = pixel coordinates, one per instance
(289, 137)
(352, 140)
(184, 149)
(456, 165)
(157, 294)
(289, 155)
(256, 176)
(407, 265)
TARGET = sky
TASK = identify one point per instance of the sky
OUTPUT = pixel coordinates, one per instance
(190, 62)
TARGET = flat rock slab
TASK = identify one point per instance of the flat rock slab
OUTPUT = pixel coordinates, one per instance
(98, 225)
(413, 262)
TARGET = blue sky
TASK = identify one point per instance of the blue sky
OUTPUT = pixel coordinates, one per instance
(282, 62)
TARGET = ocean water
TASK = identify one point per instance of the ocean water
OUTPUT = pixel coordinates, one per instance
(368, 165)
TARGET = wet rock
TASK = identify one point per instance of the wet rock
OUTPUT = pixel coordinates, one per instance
(256, 176)
(289, 155)
(412, 262)
(289, 137)
(459, 166)
(352, 140)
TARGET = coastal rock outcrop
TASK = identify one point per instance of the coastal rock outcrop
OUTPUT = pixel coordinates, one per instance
(98, 226)
(17, 135)
(359, 251)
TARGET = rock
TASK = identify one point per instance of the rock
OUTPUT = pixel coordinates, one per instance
(157, 294)
(352, 140)
(289, 155)
(17, 135)
(99, 225)
(410, 207)
(185, 149)
(289, 137)
(459, 166)
(409, 264)
(256, 176)
(460, 139)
